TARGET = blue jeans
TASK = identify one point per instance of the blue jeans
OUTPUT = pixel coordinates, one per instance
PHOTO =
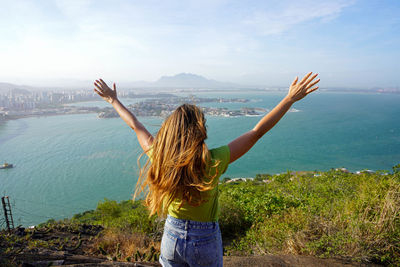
(191, 243)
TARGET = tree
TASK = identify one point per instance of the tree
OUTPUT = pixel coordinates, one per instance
(396, 169)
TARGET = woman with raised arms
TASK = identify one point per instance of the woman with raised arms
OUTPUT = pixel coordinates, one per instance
(180, 179)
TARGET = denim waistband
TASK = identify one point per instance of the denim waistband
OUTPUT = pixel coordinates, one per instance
(188, 224)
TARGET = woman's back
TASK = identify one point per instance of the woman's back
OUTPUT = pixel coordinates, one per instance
(208, 210)
(181, 171)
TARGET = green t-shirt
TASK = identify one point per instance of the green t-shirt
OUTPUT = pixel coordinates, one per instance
(209, 210)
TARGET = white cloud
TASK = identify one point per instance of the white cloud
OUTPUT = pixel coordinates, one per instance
(72, 8)
(279, 18)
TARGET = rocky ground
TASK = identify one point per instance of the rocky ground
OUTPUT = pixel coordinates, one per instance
(73, 246)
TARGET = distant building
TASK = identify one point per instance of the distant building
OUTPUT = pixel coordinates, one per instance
(243, 179)
(342, 170)
(365, 171)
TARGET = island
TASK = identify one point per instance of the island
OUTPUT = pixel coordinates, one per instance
(165, 106)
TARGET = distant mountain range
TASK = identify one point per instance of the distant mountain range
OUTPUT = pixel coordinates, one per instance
(18, 88)
(181, 80)
(178, 81)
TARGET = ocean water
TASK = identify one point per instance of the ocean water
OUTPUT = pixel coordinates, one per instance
(67, 164)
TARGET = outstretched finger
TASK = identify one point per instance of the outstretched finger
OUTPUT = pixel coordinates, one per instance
(313, 83)
(310, 79)
(98, 87)
(295, 81)
(114, 87)
(103, 83)
(98, 84)
(98, 92)
(312, 90)
(305, 77)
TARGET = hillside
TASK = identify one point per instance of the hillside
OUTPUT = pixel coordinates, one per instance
(187, 80)
(314, 218)
(180, 80)
(21, 89)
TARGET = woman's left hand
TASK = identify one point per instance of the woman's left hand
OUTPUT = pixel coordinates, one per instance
(105, 92)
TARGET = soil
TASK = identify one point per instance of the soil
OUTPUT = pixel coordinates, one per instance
(289, 261)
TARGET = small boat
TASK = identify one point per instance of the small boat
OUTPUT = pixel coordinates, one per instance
(6, 166)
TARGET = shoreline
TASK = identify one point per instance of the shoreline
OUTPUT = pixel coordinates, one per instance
(261, 178)
(96, 109)
(17, 117)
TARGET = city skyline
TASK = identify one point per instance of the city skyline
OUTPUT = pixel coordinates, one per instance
(266, 43)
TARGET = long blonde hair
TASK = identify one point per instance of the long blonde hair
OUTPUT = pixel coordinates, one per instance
(179, 159)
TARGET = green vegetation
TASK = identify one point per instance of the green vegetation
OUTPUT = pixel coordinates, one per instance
(126, 215)
(324, 214)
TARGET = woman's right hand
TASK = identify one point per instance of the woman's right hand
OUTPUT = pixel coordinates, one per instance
(105, 92)
(299, 90)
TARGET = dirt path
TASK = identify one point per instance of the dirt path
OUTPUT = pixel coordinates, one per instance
(62, 259)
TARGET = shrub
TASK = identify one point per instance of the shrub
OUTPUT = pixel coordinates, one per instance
(333, 214)
(126, 215)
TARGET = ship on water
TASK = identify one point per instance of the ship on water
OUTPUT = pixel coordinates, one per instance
(6, 166)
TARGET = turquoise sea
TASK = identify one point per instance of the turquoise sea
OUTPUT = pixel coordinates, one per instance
(67, 164)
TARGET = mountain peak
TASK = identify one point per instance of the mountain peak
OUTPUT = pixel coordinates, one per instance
(183, 76)
(188, 80)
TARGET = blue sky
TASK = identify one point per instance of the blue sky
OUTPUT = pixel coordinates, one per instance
(350, 43)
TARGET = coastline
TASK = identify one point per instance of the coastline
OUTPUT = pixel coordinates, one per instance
(10, 118)
(91, 109)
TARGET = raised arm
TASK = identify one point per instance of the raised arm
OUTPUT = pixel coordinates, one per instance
(110, 95)
(297, 91)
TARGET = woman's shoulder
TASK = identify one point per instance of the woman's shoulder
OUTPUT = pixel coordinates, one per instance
(220, 156)
(220, 152)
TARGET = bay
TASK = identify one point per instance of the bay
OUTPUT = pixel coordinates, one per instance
(67, 164)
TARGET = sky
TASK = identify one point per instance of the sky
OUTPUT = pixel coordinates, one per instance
(350, 43)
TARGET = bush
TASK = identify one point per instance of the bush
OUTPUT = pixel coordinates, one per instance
(332, 214)
(126, 215)
(396, 169)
